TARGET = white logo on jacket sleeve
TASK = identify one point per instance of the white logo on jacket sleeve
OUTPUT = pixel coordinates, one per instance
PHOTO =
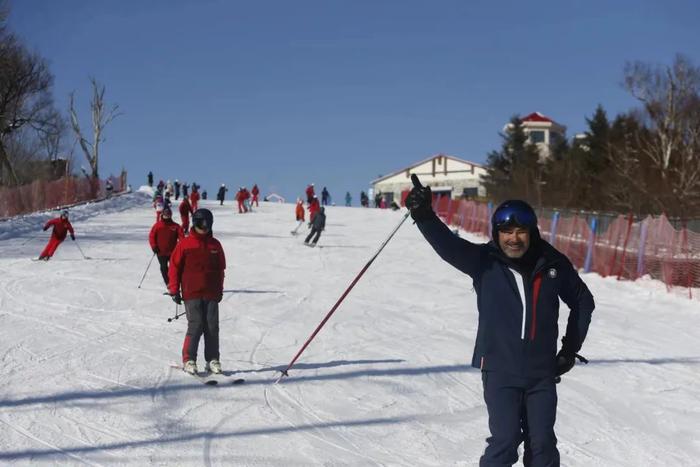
(552, 273)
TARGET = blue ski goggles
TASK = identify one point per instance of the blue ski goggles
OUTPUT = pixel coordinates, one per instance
(516, 215)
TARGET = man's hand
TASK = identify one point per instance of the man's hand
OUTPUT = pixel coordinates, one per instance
(177, 298)
(155, 250)
(72, 237)
(420, 200)
(565, 362)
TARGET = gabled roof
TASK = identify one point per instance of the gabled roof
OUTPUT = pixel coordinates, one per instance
(412, 166)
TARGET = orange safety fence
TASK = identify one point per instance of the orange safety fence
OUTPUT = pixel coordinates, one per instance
(42, 195)
(622, 246)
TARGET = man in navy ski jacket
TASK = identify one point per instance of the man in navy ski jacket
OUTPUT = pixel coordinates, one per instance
(518, 278)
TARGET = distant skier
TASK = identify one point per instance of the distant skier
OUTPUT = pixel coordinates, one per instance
(194, 198)
(221, 195)
(519, 279)
(176, 186)
(348, 198)
(325, 196)
(364, 199)
(255, 192)
(61, 226)
(150, 179)
(185, 189)
(161, 186)
(169, 189)
(163, 238)
(197, 272)
(185, 210)
(240, 199)
(246, 200)
(314, 207)
(299, 214)
(204, 194)
(377, 199)
(109, 188)
(310, 193)
(317, 226)
(167, 203)
(158, 205)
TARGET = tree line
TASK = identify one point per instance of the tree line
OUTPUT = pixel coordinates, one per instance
(37, 140)
(644, 161)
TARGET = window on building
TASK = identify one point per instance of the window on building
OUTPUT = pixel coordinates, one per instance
(536, 136)
(470, 192)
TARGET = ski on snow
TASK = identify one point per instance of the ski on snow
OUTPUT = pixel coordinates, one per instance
(211, 379)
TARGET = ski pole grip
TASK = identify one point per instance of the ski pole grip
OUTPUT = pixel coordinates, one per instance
(416, 182)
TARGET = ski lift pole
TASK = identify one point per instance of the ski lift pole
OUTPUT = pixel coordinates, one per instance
(146, 271)
(342, 297)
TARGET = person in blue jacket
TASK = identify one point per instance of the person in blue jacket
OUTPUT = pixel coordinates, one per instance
(518, 278)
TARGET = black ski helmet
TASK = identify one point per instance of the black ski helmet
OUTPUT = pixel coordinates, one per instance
(167, 212)
(514, 213)
(203, 218)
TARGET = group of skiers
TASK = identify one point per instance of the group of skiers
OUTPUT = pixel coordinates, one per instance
(192, 266)
(317, 220)
(519, 280)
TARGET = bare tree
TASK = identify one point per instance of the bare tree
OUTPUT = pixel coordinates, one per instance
(671, 102)
(25, 98)
(101, 117)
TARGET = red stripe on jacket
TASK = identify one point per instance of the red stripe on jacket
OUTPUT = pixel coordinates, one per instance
(535, 295)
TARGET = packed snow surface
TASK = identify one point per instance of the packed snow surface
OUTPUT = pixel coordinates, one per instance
(86, 374)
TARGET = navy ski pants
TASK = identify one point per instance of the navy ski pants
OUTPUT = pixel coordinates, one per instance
(164, 262)
(520, 410)
(202, 318)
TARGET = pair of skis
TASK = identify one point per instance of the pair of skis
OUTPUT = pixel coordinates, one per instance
(212, 379)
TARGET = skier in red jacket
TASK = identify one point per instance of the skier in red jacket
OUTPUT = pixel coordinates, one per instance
(185, 211)
(310, 193)
(255, 192)
(314, 207)
(164, 235)
(197, 269)
(194, 198)
(240, 198)
(61, 226)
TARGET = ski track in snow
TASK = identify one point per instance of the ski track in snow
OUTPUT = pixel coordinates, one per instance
(386, 382)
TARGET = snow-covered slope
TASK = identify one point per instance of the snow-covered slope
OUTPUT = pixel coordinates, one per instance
(86, 376)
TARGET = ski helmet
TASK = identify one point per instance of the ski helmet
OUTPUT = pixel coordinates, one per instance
(64, 213)
(514, 213)
(167, 212)
(203, 219)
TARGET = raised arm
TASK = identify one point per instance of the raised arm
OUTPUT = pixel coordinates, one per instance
(460, 253)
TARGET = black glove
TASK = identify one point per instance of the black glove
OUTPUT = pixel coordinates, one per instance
(177, 298)
(155, 250)
(420, 200)
(45, 229)
(565, 362)
(72, 237)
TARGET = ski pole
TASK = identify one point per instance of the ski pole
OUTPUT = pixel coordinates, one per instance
(81, 250)
(32, 237)
(176, 314)
(342, 297)
(146, 271)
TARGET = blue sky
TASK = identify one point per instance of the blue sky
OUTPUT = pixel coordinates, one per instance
(285, 93)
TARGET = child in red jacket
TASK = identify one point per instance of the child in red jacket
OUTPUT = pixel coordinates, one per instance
(61, 226)
(197, 278)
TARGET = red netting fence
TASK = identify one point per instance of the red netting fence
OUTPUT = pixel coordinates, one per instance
(619, 246)
(41, 195)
